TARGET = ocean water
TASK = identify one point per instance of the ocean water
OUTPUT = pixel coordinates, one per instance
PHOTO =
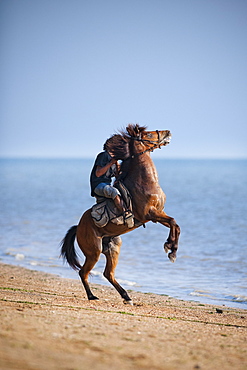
(41, 199)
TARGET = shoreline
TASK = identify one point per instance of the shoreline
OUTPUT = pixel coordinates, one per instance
(47, 322)
(200, 299)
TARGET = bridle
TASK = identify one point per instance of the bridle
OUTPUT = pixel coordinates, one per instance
(155, 143)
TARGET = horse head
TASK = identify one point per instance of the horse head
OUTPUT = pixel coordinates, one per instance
(155, 139)
(148, 140)
(121, 145)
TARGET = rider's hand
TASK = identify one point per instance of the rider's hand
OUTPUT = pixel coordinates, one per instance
(113, 161)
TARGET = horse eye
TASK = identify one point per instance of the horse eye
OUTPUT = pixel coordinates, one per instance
(149, 134)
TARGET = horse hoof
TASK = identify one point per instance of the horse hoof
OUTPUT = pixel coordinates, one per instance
(93, 298)
(128, 302)
(171, 257)
(166, 248)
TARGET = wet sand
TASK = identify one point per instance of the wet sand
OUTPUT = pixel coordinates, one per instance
(47, 323)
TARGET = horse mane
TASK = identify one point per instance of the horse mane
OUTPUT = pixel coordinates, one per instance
(119, 144)
(134, 130)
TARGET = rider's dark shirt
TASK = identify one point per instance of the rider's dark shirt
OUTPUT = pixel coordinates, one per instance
(101, 160)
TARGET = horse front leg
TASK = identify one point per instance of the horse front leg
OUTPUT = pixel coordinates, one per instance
(172, 240)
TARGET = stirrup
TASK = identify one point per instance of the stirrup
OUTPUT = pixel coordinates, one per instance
(129, 219)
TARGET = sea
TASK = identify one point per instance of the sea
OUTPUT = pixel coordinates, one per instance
(41, 199)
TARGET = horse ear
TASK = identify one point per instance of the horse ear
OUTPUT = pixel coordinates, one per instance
(129, 129)
(133, 130)
(138, 132)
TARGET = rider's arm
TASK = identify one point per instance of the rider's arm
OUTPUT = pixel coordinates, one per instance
(102, 170)
(117, 169)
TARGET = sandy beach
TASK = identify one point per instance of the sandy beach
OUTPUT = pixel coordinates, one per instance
(47, 323)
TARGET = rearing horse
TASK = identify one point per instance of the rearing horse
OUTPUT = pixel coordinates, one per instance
(139, 175)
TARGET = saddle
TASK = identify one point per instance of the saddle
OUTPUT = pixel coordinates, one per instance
(105, 211)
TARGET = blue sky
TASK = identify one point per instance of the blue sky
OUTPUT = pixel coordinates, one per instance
(73, 72)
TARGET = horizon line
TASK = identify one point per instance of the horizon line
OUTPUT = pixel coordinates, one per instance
(93, 157)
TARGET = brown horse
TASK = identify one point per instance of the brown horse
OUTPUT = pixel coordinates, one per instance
(139, 175)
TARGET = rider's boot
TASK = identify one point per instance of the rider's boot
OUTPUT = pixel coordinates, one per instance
(129, 219)
(118, 204)
(128, 215)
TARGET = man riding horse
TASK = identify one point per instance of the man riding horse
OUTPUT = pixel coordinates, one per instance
(139, 176)
(104, 169)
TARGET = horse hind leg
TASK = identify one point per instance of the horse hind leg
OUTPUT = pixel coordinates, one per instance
(89, 263)
(111, 250)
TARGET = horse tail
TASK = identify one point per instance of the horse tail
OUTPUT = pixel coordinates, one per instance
(68, 249)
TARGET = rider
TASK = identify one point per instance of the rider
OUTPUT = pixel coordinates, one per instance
(105, 167)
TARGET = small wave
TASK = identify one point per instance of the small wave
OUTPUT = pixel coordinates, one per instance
(125, 282)
(19, 257)
(200, 293)
(34, 263)
(41, 263)
(98, 274)
(239, 298)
